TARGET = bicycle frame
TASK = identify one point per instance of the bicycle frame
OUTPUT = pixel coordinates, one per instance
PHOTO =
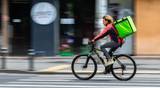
(94, 50)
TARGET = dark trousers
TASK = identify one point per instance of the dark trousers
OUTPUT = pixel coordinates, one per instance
(112, 45)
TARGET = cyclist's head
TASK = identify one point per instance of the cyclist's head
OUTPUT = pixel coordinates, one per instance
(107, 19)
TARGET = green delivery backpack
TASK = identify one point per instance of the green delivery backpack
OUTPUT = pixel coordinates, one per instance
(125, 27)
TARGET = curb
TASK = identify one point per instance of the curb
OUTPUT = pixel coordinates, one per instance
(13, 71)
(68, 57)
(33, 72)
(146, 57)
(70, 72)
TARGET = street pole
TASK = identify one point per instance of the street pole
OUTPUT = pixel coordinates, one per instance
(4, 43)
(5, 20)
(4, 53)
(31, 54)
(100, 11)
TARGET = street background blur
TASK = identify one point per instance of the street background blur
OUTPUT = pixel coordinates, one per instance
(40, 37)
(63, 27)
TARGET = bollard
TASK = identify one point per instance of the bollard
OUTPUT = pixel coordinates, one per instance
(31, 55)
(4, 52)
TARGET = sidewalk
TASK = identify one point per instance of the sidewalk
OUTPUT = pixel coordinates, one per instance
(62, 65)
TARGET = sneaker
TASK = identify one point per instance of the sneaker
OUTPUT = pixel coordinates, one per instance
(109, 62)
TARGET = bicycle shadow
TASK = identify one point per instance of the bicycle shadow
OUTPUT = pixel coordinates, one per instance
(93, 80)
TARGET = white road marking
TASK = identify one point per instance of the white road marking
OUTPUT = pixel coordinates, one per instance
(70, 86)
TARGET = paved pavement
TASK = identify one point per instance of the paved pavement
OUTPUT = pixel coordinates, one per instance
(62, 65)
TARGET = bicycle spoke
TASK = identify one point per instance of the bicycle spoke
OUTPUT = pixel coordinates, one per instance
(84, 67)
(124, 68)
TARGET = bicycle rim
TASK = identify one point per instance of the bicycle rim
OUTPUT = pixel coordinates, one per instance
(81, 72)
(124, 68)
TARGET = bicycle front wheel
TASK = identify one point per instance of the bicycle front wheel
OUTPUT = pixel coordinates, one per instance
(124, 67)
(84, 67)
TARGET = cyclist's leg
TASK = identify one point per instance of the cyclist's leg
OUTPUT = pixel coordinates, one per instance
(103, 48)
(113, 49)
(110, 45)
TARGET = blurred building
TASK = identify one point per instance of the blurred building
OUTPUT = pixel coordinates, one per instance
(147, 21)
(51, 26)
(62, 27)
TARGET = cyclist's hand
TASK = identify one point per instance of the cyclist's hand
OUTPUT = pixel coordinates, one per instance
(91, 42)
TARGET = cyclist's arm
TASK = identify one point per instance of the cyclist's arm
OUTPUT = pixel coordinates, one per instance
(101, 34)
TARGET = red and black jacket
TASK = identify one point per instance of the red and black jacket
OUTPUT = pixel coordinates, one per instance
(112, 32)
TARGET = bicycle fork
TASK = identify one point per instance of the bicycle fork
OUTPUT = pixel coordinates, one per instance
(87, 60)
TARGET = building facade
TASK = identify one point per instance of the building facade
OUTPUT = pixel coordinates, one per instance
(59, 27)
(147, 21)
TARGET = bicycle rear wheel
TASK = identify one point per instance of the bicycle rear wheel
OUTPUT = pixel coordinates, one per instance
(124, 67)
(81, 70)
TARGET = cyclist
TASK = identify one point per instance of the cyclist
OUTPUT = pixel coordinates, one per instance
(115, 41)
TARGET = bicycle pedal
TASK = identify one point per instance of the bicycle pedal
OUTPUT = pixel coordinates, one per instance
(106, 72)
(107, 69)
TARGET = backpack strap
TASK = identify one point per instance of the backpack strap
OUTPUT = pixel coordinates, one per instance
(120, 40)
(115, 29)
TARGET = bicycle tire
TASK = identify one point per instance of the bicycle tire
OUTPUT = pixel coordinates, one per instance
(91, 62)
(131, 66)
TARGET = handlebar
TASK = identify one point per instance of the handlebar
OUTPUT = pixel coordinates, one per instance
(92, 45)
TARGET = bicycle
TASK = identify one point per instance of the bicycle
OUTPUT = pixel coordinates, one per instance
(124, 67)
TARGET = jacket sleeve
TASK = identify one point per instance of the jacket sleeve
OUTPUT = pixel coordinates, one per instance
(102, 34)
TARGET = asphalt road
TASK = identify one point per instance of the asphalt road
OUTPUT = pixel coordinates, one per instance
(12, 80)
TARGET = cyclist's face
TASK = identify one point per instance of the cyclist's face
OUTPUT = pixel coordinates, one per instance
(105, 22)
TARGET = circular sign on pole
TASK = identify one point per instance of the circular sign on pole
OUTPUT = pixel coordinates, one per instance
(43, 13)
